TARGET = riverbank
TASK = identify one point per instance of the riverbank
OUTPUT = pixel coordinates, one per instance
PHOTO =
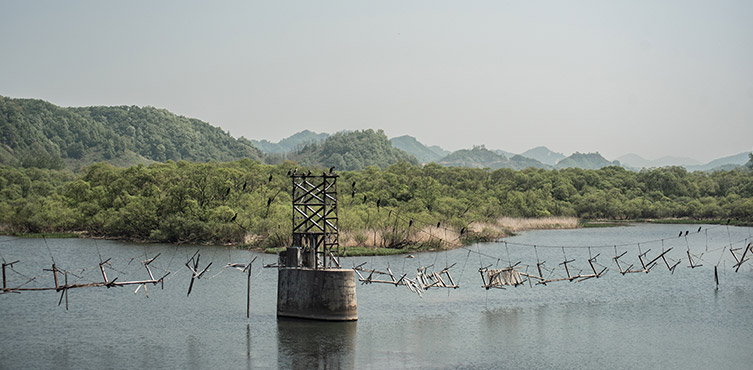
(684, 221)
(380, 242)
(384, 241)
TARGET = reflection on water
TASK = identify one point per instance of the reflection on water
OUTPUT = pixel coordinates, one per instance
(307, 344)
(248, 346)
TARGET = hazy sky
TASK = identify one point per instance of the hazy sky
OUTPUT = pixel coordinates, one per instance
(652, 77)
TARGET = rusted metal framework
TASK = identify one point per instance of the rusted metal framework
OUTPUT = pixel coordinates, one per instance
(315, 228)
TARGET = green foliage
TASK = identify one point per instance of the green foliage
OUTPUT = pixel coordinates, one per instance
(34, 133)
(353, 150)
(235, 202)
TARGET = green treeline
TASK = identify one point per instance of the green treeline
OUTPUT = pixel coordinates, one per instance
(249, 202)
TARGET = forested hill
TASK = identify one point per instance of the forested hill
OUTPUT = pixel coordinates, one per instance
(35, 133)
(352, 150)
(480, 157)
(588, 161)
(423, 153)
(290, 144)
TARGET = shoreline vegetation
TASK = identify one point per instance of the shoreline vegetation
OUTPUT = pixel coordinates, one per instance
(431, 238)
(399, 208)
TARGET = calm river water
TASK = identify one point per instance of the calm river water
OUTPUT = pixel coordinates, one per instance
(657, 320)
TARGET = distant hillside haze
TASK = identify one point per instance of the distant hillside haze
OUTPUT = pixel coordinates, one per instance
(423, 153)
(538, 157)
(36, 133)
(291, 143)
(588, 161)
(544, 155)
(504, 153)
(729, 162)
(634, 160)
(725, 163)
(480, 157)
(438, 150)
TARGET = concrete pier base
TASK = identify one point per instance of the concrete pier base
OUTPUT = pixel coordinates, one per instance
(317, 294)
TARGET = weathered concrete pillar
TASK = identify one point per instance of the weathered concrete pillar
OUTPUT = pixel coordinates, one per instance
(317, 294)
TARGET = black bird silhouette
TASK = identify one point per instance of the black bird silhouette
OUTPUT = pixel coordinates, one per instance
(686, 232)
(462, 231)
(728, 220)
(379, 202)
(269, 201)
(234, 217)
(353, 193)
(410, 223)
(680, 234)
(332, 169)
(290, 172)
(245, 183)
(270, 177)
(295, 170)
(227, 192)
(699, 229)
(438, 225)
(364, 198)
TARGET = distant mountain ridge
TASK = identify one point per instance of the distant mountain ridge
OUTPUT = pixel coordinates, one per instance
(476, 157)
(480, 157)
(422, 152)
(505, 153)
(588, 161)
(724, 163)
(544, 155)
(36, 133)
(634, 160)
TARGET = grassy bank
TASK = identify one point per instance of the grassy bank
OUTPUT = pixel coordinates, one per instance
(381, 242)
